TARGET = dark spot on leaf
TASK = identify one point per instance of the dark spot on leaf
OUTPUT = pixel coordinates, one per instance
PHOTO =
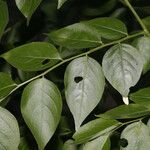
(45, 61)
(124, 142)
(78, 79)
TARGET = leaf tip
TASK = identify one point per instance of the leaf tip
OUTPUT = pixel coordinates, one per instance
(126, 100)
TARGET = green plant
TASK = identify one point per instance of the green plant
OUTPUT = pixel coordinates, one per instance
(61, 106)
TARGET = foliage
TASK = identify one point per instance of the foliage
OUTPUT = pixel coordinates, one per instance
(66, 70)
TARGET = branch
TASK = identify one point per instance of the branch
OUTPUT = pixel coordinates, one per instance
(74, 57)
(137, 16)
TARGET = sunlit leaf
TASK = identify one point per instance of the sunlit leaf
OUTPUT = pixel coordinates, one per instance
(137, 136)
(41, 107)
(9, 135)
(143, 45)
(84, 86)
(122, 65)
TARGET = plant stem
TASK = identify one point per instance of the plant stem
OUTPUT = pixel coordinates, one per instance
(74, 57)
(136, 16)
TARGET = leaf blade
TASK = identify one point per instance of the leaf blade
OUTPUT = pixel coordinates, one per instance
(126, 67)
(28, 7)
(77, 92)
(96, 144)
(109, 28)
(41, 111)
(94, 128)
(34, 56)
(141, 97)
(88, 34)
(6, 85)
(76, 36)
(126, 112)
(143, 45)
(9, 135)
(137, 135)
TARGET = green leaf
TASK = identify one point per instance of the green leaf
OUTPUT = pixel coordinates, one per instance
(126, 112)
(84, 86)
(33, 56)
(137, 135)
(143, 45)
(96, 144)
(23, 144)
(6, 85)
(28, 7)
(60, 3)
(141, 97)
(9, 135)
(122, 66)
(88, 33)
(109, 28)
(41, 107)
(4, 17)
(76, 36)
(95, 129)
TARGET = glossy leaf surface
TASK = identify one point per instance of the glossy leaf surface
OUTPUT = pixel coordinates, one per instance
(84, 86)
(143, 45)
(137, 135)
(41, 107)
(122, 66)
(9, 135)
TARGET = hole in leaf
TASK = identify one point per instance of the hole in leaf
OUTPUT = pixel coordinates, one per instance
(45, 61)
(78, 79)
(124, 142)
